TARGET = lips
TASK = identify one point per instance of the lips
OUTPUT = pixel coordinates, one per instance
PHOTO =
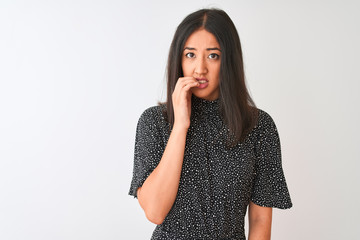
(202, 80)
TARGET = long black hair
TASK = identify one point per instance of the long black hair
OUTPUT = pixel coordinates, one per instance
(236, 106)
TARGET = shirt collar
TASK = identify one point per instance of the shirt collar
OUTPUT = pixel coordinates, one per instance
(200, 105)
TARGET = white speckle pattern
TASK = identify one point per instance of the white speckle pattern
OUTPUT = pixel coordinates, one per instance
(216, 184)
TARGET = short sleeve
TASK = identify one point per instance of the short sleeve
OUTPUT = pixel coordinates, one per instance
(269, 186)
(148, 148)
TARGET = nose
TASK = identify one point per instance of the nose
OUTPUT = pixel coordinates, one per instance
(201, 67)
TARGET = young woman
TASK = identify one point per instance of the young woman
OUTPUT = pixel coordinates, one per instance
(208, 153)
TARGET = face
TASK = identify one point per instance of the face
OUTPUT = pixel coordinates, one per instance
(201, 60)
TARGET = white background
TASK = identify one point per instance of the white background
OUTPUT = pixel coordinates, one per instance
(76, 75)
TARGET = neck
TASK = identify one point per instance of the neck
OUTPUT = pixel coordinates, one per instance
(201, 105)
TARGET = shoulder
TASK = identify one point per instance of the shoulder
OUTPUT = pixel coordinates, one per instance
(153, 115)
(265, 134)
(265, 123)
(265, 118)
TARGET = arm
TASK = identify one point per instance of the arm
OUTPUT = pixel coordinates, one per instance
(259, 222)
(158, 193)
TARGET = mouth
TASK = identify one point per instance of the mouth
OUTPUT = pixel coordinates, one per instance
(202, 80)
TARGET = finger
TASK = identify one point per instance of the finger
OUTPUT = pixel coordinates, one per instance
(185, 88)
(188, 81)
(182, 82)
(190, 85)
(186, 78)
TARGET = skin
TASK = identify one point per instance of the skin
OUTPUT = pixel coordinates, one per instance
(259, 222)
(201, 59)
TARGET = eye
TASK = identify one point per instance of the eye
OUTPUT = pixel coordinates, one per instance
(213, 56)
(190, 55)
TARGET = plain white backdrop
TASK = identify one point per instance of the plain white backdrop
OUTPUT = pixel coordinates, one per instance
(76, 75)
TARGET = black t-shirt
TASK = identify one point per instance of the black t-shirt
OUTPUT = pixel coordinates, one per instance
(216, 183)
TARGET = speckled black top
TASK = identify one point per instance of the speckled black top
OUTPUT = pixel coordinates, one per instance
(216, 184)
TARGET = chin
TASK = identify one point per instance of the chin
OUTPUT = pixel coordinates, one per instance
(206, 97)
(199, 95)
(202, 94)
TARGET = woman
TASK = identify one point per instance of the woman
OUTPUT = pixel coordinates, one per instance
(207, 153)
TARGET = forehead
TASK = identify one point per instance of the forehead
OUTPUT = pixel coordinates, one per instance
(202, 39)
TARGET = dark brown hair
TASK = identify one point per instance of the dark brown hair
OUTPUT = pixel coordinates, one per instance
(237, 108)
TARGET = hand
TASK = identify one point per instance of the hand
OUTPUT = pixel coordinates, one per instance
(181, 98)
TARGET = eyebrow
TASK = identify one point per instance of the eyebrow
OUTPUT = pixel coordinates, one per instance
(208, 49)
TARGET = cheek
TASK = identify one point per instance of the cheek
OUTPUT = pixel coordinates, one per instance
(186, 67)
(216, 70)
(217, 76)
